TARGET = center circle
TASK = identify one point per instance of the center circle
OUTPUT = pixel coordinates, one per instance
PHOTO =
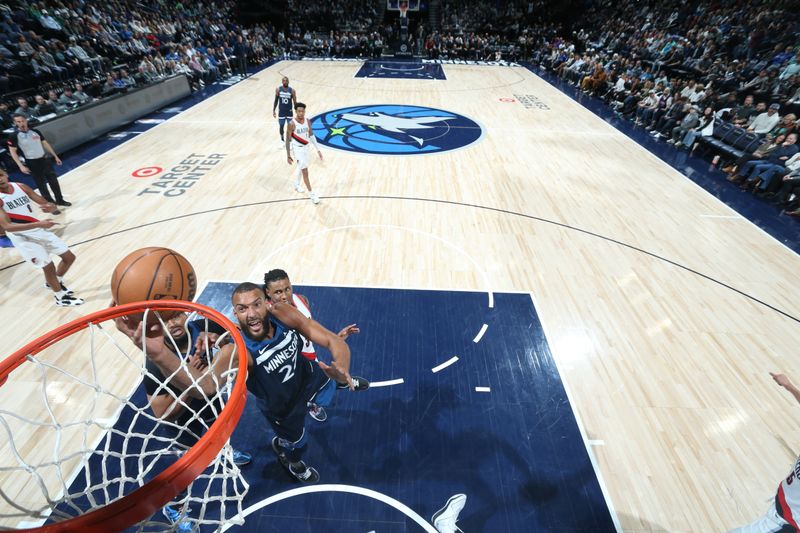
(390, 129)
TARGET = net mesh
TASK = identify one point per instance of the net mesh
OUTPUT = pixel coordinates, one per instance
(78, 431)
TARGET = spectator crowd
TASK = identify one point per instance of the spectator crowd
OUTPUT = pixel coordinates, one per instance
(677, 69)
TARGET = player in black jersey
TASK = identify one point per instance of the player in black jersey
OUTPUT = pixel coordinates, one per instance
(284, 381)
(285, 99)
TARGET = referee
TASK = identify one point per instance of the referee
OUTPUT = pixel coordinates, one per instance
(35, 148)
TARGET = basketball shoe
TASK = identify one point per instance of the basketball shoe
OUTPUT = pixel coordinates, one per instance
(303, 474)
(241, 458)
(317, 412)
(63, 287)
(314, 197)
(360, 384)
(180, 523)
(68, 300)
(444, 520)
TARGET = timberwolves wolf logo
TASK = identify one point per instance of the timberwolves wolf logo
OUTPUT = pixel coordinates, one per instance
(395, 129)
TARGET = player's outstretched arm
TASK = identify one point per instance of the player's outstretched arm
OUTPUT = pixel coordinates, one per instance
(196, 383)
(8, 225)
(339, 370)
(786, 383)
(46, 206)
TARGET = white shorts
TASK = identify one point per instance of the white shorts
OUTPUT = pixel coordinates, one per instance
(302, 154)
(37, 245)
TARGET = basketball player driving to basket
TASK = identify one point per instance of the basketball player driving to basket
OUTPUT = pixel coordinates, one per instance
(282, 380)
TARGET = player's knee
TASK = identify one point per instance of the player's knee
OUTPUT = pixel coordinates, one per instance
(68, 257)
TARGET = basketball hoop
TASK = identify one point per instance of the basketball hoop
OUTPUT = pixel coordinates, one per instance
(403, 7)
(90, 420)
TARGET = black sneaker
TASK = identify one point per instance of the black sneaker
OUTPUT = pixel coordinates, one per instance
(307, 475)
(359, 383)
(68, 300)
(64, 203)
(63, 288)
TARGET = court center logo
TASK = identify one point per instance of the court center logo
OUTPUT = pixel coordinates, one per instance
(395, 129)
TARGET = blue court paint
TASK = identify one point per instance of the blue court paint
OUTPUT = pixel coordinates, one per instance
(408, 70)
(763, 214)
(395, 129)
(516, 452)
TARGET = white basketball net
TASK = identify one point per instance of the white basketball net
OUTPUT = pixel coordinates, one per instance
(77, 433)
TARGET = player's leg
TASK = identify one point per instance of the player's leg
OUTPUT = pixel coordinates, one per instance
(67, 258)
(291, 442)
(281, 123)
(55, 246)
(771, 522)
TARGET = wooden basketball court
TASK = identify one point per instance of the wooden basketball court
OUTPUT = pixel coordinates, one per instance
(664, 309)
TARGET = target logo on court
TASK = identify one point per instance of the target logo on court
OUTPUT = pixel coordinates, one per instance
(146, 172)
(395, 130)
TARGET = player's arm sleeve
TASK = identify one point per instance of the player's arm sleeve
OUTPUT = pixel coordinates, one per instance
(311, 138)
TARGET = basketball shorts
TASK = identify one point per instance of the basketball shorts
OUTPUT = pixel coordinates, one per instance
(37, 245)
(283, 120)
(291, 426)
(302, 155)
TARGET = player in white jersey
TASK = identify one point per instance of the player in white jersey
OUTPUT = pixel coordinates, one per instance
(784, 513)
(279, 289)
(298, 136)
(31, 238)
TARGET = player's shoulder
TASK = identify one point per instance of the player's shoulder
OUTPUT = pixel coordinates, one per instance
(303, 299)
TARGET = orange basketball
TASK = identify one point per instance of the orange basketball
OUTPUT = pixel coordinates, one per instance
(153, 274)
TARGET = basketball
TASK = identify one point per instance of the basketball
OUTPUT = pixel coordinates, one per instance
(153, 273)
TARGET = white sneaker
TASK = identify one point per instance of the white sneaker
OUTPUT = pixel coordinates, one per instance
(444, 520)
(68, 300)
(299, 188)
(314, 197)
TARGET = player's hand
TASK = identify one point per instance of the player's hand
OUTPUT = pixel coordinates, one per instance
(58, 160)
(782, 380)
(152, 343)
(24, 169)
(198, 360)
(200, 343)
(49, 207)
(337, 374)
(319, 154)
(289, 159)
(47, 223)
(352, 329)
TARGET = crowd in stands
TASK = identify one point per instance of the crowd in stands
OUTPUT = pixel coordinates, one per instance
(678, 69)
(720, 79)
